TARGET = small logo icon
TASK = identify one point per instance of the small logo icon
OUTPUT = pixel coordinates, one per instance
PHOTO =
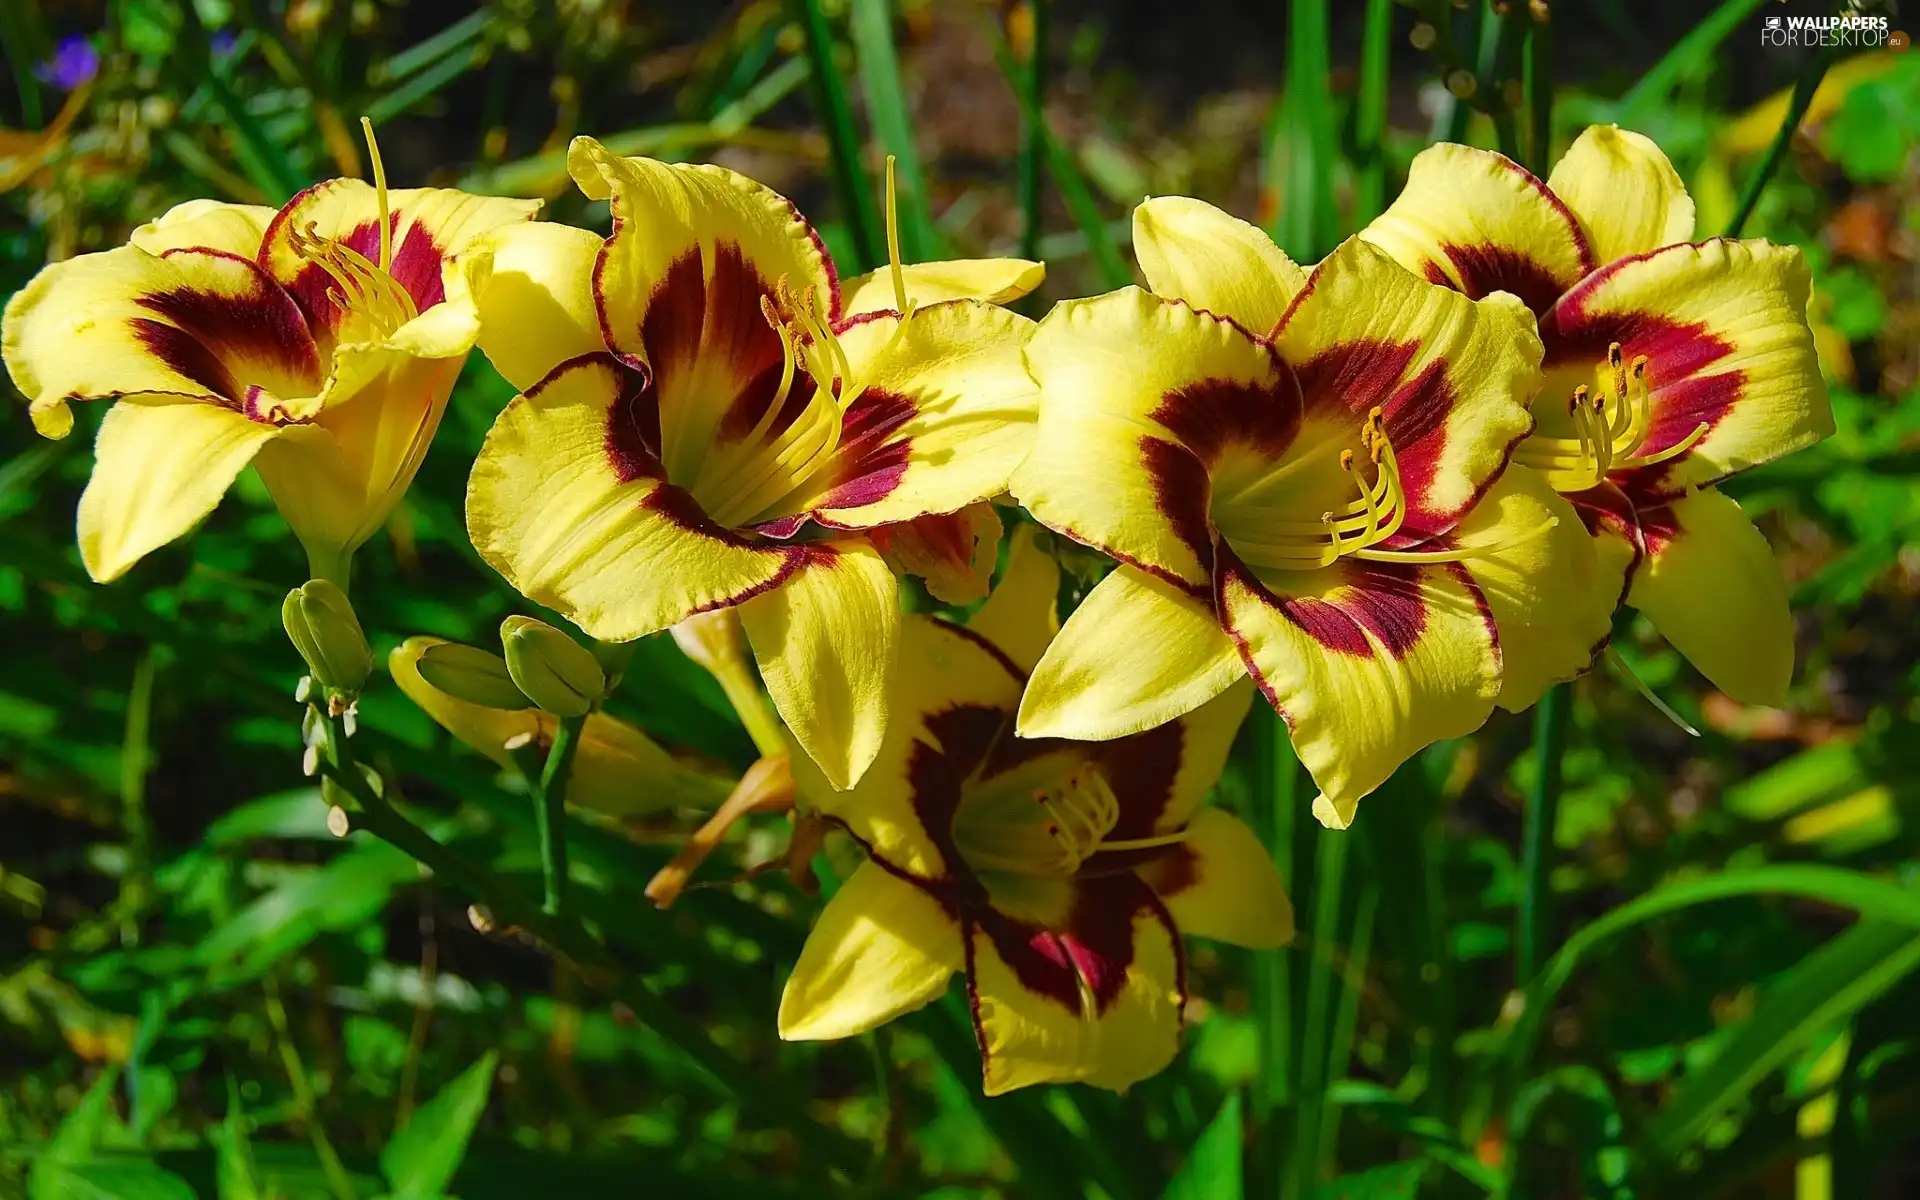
(1773, 22)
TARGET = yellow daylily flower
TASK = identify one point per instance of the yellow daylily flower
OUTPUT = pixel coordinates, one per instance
(1059, 876)
(1304, 477)
(1670, 363)
(318, 343)
(617, 769)
(707, 422)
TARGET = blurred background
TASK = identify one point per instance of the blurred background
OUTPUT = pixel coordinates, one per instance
(203, 992)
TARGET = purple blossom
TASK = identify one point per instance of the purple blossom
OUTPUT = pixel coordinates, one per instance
(74, 64)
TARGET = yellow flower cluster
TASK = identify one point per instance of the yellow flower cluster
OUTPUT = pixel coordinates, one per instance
(1389, 492)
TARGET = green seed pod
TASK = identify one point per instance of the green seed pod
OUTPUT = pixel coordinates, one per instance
(320, 622)
(556, 672)
(471, 674)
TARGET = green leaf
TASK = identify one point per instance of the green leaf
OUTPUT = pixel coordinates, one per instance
(1873, 898)
(1689, 54)
(420, 1160)
(1212, 1170)
(233, 1163)
(1827, 987)
(132, 1180)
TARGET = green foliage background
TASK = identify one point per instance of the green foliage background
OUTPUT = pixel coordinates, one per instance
(203, 992)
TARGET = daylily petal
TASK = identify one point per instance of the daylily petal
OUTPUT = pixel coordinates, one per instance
(1022, 614)
(945, 414)
(161, 464)
(1625, 194)
(1139, 396)
(1614, 526)
(994, 280)
(1367, 662)
(427, 226)
(1161, 777)
(533, 287)
(206, 225)
(952, 693)
(695, 250)
(1075, 982)
(1542, 578)
(827, 639)
(1221, 883)
(1189, 250)
(1137, 653)
(187, 323)
(616, 769)
(1723, 325)
(566, 503)
(1452, 376)
(1713, 589)
(953, 552)
(338, 485)
(881, 948)
(1478, 221)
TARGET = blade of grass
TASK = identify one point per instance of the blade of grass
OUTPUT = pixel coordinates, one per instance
(1370, 112)
(19, 33)
(1085, 210)
(136, 759)
(1688, 53)
(423, 85)
(1450, 124)
(871, 24)
(1803, 89)
(1032, 140)
(262, 159)
(1828, 986)
(850, 177)
(1536, 850)
(1347, 1020)
(419, 55)
(1884, 902)
(1305, 224)
(1502, 31)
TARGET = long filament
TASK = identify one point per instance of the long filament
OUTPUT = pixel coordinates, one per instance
(380, 194)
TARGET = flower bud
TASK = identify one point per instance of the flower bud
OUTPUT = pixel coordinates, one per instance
(321, 624)
(471, 674)
(556, 672)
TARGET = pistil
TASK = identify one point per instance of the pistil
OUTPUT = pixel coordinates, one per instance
(371, 300)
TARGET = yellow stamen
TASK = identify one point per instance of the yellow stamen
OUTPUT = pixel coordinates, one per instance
(1078, 815)
(380, 194)
(1608, 430)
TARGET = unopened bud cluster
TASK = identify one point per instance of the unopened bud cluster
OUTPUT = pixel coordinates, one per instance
(323, 628)
(550, 668)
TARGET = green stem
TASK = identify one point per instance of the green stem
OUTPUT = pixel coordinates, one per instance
(750, 704)
(1455, 112)
(338, 1180)
(1316, 1029)
(136, 758)
(551, 816)
(728, 1078)
(333, 565)
(1536, 866)
(1501, 38)
(1370, 114)
(1538, 86)
(1803, 90)
(1033, 145)
(863, 216)
(13, 19)
(1306, 217)
(1272, 797)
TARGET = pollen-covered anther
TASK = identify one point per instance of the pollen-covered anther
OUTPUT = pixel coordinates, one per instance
(1610, 429)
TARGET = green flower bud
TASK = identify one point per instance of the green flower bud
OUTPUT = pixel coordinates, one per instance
(472, 675)
(321, 624)
(556, 672)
